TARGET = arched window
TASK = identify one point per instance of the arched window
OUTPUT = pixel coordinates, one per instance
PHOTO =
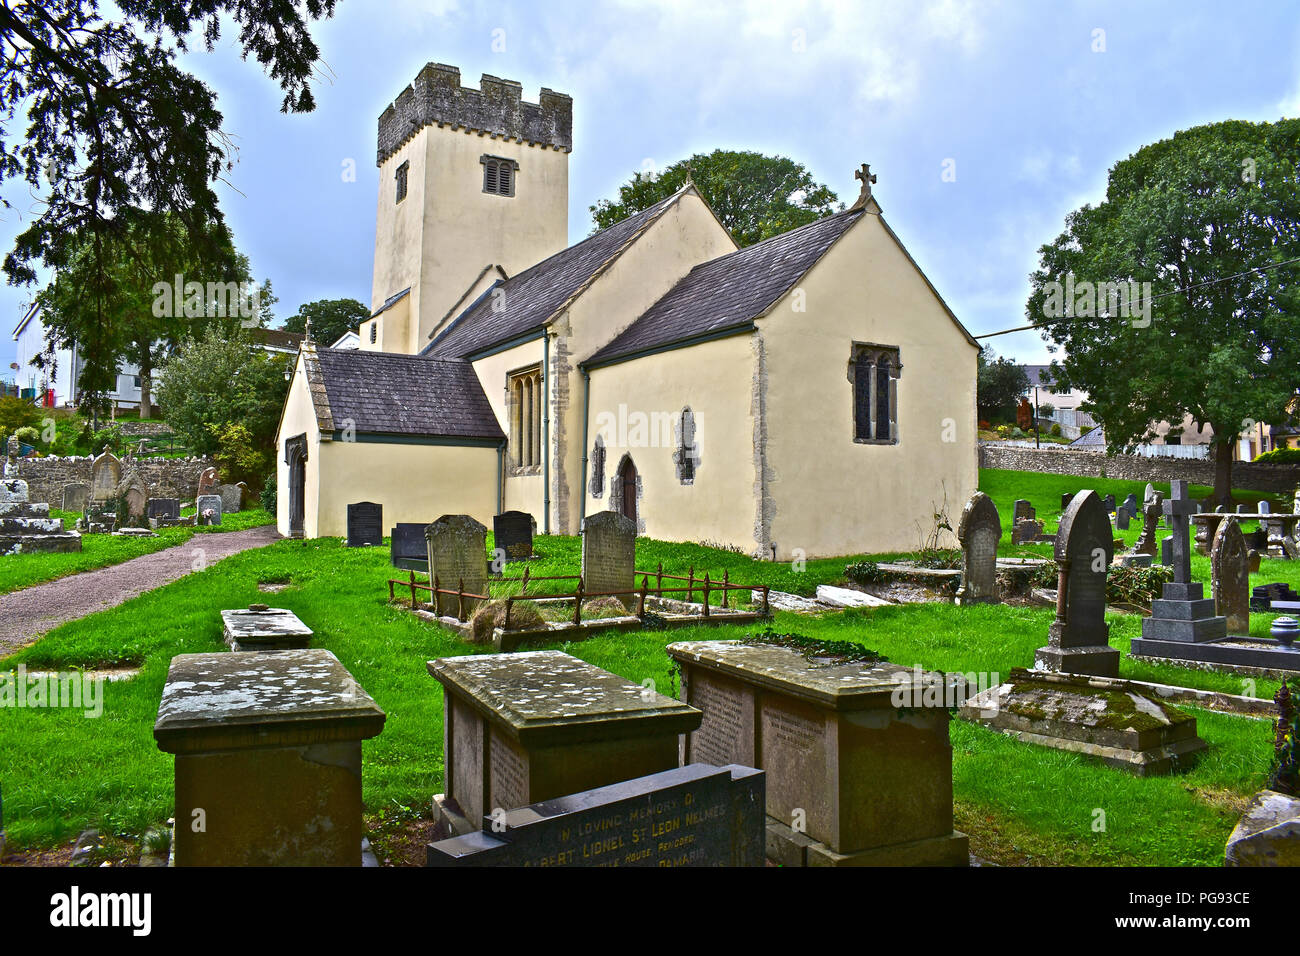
(874, 371)
(524, 395)
(687, 452)
(598, 468)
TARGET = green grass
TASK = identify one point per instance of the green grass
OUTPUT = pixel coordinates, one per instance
(101, 550)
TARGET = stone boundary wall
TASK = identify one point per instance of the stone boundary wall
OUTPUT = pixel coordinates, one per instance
(143, 429)
(46, 477)
(1281, 479)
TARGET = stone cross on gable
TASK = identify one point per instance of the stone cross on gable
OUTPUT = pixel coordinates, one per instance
(1179, 509)
(867, 178)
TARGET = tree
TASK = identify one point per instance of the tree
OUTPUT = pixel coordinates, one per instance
(221, 379)
(999, 384)
(330, 318)
(1175, 294)
(140, 314)
(754, 196)
(112, 124)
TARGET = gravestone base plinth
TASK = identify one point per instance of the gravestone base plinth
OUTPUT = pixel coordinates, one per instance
(1099, 660)
(1183, 614)
(1125, 729)
(787, 847)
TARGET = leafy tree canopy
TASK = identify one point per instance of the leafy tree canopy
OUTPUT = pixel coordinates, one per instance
(1206, 218)
(755, 196)
(999, 383)
(330, 318)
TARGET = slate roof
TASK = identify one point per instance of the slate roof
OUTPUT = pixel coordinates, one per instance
(387, 393)
(528, 300)
(1093, 439)
(730, 291)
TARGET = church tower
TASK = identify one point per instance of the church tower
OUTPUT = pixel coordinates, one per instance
(473, 186)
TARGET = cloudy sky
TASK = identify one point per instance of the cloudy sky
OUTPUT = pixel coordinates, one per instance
(1026, 104)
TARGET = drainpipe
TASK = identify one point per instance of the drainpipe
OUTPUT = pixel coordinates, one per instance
(586, 404)
(501, 472)
(546, 432)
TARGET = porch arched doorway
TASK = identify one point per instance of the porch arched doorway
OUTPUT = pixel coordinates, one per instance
(295, 457)
(627, 487)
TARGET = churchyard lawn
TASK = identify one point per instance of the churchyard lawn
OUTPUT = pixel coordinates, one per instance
(63, 772)
(101, 550)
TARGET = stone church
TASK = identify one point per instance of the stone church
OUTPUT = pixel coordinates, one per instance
(809, 395)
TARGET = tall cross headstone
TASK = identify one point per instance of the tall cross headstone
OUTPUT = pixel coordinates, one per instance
(979, 531)
(1078, 640)
(1183, 613)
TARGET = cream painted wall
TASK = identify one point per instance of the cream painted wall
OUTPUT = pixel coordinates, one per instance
(715, 379)
(297, 418)
(393, 329)
(399, 230)
(829, 494)
(522, 492)
(683, 237)
(415, 483)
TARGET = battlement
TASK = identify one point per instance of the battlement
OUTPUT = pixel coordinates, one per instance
(496, 108)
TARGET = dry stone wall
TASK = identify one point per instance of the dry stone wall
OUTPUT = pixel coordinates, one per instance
(1282, 479)
(46, 477)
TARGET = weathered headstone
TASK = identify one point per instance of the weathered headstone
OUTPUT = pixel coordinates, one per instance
(105, 476)
(609, 554)
(457, 550)
(1230, 577)
(207, 481)
(1146, 542)
(1131, 503)
(979, 531)
(1066, 499)
(232, 498)
(1022, 509)
(365, 524)
(1078, 640)
(1026, 531)
(512, 533)
(407, 547)
(856, 752)
(207, 509)
(1183, 613)
(76, 494)
(1108, 503)
(163, 508)
(1122, 517)
(1167, 551)
(538, 725)
(268, 754)
(1268, 833)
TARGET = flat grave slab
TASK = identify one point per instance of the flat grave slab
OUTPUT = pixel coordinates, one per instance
(1126, 729)
(1229, 652)
(262, 628)
(852, 752)
(537, 725)
(696, 815)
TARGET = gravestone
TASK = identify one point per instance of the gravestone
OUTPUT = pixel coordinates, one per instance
(1167, 551)
(1243, 509)
(105, 476)
(1022, 509)
(539, 725)
(1078, 640)
(1230, 577)
(979, 532)
(1149, 492)
(76, 495)
(1146, 542)
(135, 492)
(163, 508)
(1026, 531)
(407, 547)
(512, 533)
(457, 550)
(262, 628)
(232, 498)
(856, 753)
(268, 747)
(1108, 503)
(1131, 503)
(609, 554)
(1122, 517)
(1265, 508)
(207, 481)
(1183, 613)
(365, 524)
(696, 815)
(1066, 499)
(206, 503)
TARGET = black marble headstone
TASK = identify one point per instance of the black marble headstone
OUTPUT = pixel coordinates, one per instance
(1108, 503)
(1066, 498)
(697, 815)
(163, 508)
(408, 548)
(365, 524)
(512, 532)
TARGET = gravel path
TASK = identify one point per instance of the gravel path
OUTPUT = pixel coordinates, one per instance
(27, 614)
